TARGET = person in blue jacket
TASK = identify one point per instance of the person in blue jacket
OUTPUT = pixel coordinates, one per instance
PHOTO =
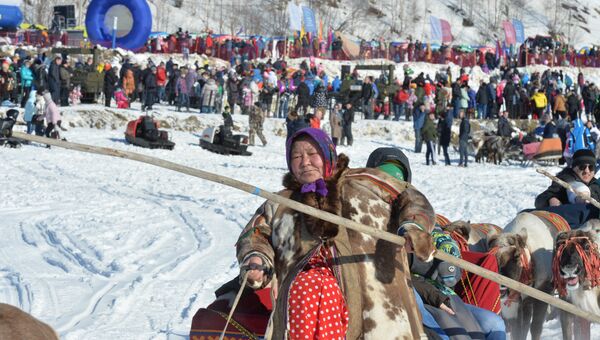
(579, 138)
(418, 122)
(336, 84)
(26, 81)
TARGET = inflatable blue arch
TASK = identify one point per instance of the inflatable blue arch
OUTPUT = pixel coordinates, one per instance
(10, 17)
(134, 22)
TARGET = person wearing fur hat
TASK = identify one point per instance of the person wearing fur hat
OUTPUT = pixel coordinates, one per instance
(582, 170)
(325, 276)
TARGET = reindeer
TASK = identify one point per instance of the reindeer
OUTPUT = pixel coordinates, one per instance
(576, 270)
(16, 324)
(472, 236)
(492, 149)
(524, 253)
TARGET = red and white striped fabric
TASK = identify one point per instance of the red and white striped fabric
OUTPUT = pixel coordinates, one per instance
(316, 306)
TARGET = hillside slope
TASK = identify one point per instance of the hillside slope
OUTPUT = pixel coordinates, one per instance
(472, 21)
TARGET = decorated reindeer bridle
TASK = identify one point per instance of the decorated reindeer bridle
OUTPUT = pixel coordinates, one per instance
(526, 273)
(462, 242)
(591, 263)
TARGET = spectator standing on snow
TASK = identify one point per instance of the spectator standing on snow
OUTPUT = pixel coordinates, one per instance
(429, 134)
(573, 103)
(539, 103)
(52, 115)
(65, 82)
(40, 76)
(303, 98)
(8, 82)
(26, 81)
(182, 91)
(149, 89)
(400, 102)
(367, 96)
(418, 122)
(54, 79)
(233, 90)
(266, 97)
(110, 81)
(445, 131)
(560, 105)
(208, 96)
(456, 98)
(463, 139)
(161, 81)
(482, 100)
(335, 121)
(174, 75)
(347, 120)
(256, 120)
(30, 111)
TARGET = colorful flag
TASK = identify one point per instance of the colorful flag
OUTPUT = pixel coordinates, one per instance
(295, 14)
(240, 31)
(519, 31)
(310, 24)
(499, 50)
(440, 30)
(320, 30)
(509, 32)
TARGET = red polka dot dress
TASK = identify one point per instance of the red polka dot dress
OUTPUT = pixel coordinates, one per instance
(316, 306)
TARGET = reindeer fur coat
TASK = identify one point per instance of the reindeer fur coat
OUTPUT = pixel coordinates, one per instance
(372, 274)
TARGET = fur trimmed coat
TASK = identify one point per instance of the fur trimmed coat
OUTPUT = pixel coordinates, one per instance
(373, 275)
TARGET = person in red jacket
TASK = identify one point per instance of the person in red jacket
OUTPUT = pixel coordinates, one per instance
(209, 45)
(399, 101)
(161, 80)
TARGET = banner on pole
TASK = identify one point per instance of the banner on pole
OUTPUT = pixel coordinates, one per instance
(519, 31)
(310, 24)
(440, 30)
(295, 16)
(509, 32)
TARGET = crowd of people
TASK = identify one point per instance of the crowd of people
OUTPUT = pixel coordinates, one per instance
(534, 51)
(306, 95)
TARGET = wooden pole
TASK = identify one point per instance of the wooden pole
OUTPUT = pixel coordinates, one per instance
(380, 234)
(569, 187)
(235, 303)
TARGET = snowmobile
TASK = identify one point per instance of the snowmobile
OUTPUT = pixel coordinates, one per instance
(144, 132)
(6, 126)
(221, 140)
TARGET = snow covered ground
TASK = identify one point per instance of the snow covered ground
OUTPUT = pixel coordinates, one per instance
(105, 248)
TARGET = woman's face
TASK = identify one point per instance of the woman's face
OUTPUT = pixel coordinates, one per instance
(306, 161)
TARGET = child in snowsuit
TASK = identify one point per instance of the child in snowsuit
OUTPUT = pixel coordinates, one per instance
(121, 99)
(30, 111)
